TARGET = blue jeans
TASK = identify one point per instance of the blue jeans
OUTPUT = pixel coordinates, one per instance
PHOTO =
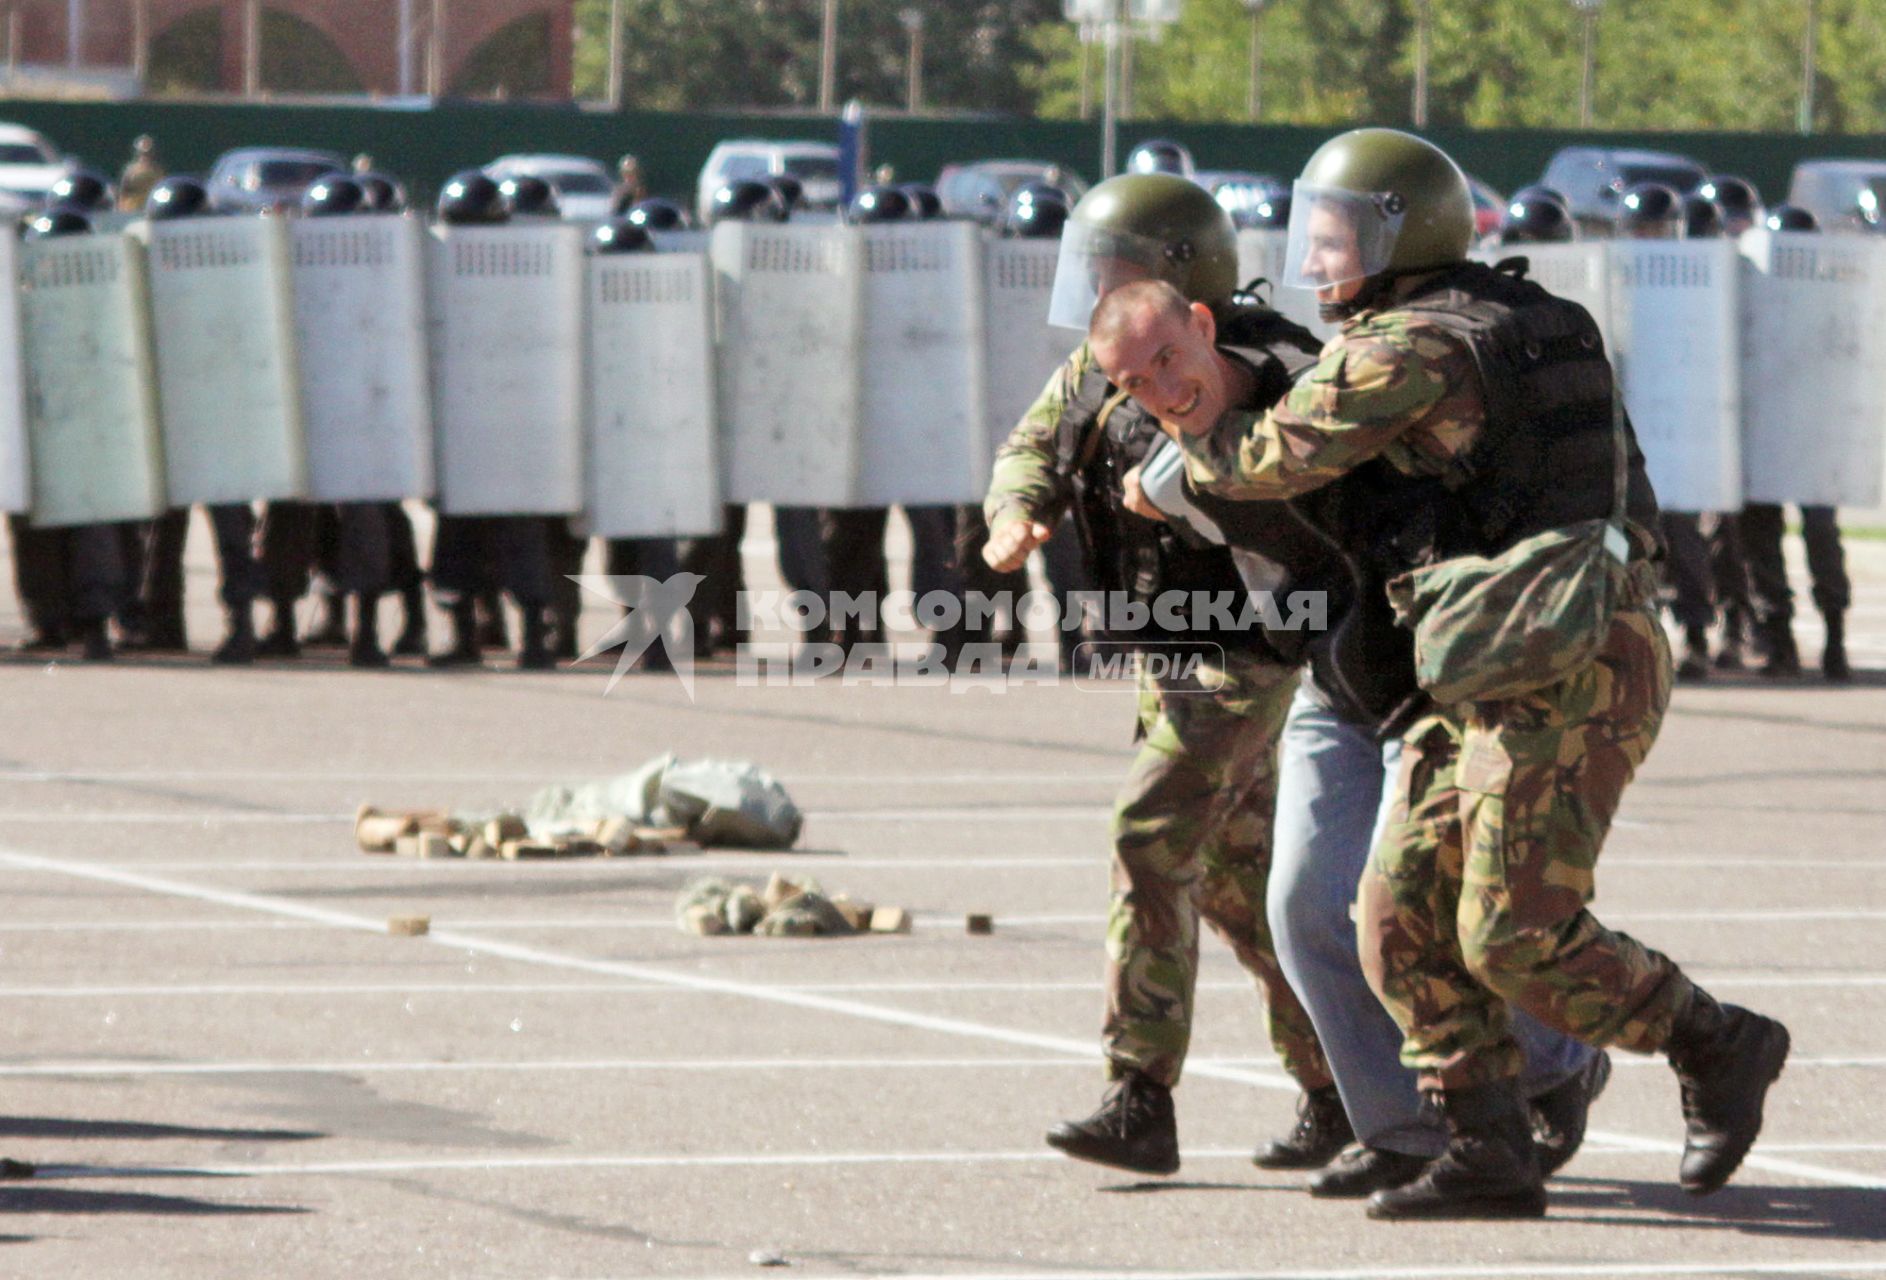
(1335, 783)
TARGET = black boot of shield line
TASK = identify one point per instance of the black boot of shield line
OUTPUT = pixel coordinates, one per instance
(1134, 1129)
(1489, 1169)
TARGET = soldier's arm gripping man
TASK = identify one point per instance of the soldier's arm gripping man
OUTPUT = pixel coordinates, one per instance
(1192, 824)
(1476, 893)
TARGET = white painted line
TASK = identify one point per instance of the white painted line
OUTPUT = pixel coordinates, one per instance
(1007, 779)
(376, 864)
(461, 941)
(90, 1068)
(1209, 1066)
(1078, 986)
(741, 1159)
(521, 924)
(1454, 1271)
(207, 818)
(981, 813)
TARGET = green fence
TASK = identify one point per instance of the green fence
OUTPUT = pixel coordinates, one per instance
(424, 145)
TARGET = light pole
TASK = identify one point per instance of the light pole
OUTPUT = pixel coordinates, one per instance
(615, 55)
(1257, 56)
(252, 49)
(1422, 16)
(1588, 18)
(828, 58)
(1804, 120)
(1088, 36)
(1113, 20)
(912, 19)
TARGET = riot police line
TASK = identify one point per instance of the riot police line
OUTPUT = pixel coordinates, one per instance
(513, 370)
(504, 370)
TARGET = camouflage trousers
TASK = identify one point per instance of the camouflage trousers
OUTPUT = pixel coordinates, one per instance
(1476, 893)
(1192, 838)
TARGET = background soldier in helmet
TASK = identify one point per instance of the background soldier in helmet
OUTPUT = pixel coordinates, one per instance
(1653, 211)
(1477, 893)
(162, 590)
(1772, 600)
(1191, 827)
(474, 555)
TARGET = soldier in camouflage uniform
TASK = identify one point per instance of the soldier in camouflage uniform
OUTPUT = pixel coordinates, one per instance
(1477, 891)
(1192, 824)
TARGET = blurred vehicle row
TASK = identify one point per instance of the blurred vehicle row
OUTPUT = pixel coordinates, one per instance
(1592, 182)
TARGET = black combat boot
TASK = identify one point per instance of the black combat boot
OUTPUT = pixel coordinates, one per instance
(412, 632)
(465, 650)
(1134, 1129)
(1365, 1171)
(491, 632)
(1725, 1058)
(1834, 653)
(1488, 1170)
(1783, 658)
(1693, 662)
(1559, 1114)
(1322, 1132)
(160, 634)
(280, 641)
(364, 650)
(330, 628)
(48, 638)
(238, 647)
(535, 654)
(94, 641)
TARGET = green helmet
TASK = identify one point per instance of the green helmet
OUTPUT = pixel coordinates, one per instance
(1406, 200)
(1142, 226)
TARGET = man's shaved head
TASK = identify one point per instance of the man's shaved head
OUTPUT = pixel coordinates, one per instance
(1159, 349)
(1137, 306)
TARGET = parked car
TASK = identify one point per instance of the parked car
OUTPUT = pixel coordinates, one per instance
(1489, 206)
(256, 179)
(814, 164)
(1593, 178)
(582, 185)
(980, 189)
(29, 166)
(1845, 195)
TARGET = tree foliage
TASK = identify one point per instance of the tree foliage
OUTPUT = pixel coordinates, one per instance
(688, 55)
(1660, 64)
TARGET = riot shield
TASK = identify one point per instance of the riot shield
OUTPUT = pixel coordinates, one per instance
(654, 467)
(16, 487)
(1261, 256)
(921, 367)
(228, 386)
(1579, 272)
(1021, 350)
(1814, 369)
(506, 321)
(91, 384)
(789, 301)
(360, 322)
(1675, 319)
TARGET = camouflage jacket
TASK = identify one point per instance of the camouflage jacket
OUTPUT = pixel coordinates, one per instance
(1390, 385)
(1027, 484)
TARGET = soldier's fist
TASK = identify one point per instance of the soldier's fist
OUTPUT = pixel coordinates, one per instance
(1008, 547)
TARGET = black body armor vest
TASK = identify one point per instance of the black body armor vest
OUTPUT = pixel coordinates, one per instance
(1545, 459)
(1105, 434)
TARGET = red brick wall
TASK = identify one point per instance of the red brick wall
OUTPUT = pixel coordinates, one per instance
(366, 31)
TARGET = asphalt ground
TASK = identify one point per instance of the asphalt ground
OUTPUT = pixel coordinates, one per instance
(224, 1065)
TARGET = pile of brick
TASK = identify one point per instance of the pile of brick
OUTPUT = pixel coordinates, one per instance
(434, 833)
(783, 908)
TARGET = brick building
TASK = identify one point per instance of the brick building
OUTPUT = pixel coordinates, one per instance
(355, 44)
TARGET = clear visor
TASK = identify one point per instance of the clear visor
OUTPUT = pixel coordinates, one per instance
(1337, 236)
(1094, 261)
